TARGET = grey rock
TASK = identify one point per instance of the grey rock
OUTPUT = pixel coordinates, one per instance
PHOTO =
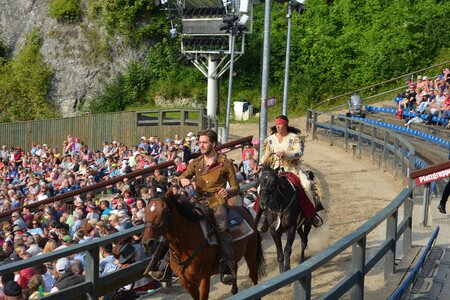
(83, 58)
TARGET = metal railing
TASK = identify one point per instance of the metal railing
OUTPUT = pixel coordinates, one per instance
(392, 149)
(395, 151)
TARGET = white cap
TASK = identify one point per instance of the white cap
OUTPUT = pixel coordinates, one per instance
(190, 134)
(143, 138)
(114, 142)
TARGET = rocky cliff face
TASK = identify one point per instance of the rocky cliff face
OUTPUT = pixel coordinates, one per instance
(83, 58)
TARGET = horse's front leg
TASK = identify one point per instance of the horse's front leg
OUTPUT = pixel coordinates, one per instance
(288, 247)
(204, 288)
(303, 232)
(192, 289)
(277, 239)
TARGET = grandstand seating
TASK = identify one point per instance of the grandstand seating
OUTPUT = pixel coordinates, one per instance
(405, 113)
(426, 136)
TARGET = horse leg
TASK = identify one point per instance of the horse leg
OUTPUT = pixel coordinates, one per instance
(290, 233)
(192, 289)
(250, 259)
(204, 288)
(303, 232)
(280, 257)
(234, 287)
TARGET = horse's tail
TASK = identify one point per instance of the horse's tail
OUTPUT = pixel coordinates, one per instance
(260, 261)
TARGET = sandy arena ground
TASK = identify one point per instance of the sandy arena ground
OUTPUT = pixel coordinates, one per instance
(354, 190)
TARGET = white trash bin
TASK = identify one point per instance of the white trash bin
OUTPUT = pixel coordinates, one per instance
(239, 113)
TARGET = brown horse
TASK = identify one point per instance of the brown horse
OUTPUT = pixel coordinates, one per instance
(191, 257)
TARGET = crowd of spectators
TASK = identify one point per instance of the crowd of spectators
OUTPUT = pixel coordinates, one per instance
(42, 172)
(429, 96)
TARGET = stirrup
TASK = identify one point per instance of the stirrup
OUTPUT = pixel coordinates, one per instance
(316, 221)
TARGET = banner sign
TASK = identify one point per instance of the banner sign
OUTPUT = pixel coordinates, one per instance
(432, 177)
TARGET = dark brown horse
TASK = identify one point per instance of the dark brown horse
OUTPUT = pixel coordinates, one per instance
(191, 257)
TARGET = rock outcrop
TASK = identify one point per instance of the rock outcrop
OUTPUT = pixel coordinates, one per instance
(82, 56)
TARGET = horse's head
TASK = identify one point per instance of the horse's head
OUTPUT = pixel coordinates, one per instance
(157, 223)
(268, 184)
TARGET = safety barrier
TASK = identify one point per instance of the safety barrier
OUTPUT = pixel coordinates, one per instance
(405, 286)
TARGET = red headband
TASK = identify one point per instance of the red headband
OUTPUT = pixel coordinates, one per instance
(281, 121)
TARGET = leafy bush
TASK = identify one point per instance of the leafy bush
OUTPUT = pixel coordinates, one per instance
(65, 10)
(127, 89)
(24, 83)
(134, 19)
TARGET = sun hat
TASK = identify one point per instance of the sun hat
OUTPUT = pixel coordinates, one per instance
(126, 252)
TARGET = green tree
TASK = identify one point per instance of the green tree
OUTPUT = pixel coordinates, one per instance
(24, 83)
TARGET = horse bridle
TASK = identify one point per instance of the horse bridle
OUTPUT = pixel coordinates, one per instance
(271, 196)
(167, 222)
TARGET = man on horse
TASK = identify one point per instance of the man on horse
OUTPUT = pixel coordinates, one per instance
(283, 149)
(211, 172)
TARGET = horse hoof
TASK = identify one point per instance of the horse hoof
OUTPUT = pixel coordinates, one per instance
(234, 291)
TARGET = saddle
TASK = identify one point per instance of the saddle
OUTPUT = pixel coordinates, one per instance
(239, 227)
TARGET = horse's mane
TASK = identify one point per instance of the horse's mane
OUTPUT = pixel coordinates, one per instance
(266, 167)
(184, 207)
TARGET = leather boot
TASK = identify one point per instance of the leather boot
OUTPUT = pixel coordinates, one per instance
(441, 208)
(227, 256)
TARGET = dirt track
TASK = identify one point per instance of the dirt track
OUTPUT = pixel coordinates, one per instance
(353, 190)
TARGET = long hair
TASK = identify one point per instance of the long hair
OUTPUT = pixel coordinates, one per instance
(289, 128)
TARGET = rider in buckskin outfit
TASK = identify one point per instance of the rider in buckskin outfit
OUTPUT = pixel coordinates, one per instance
(283, 149)
(211, 173)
